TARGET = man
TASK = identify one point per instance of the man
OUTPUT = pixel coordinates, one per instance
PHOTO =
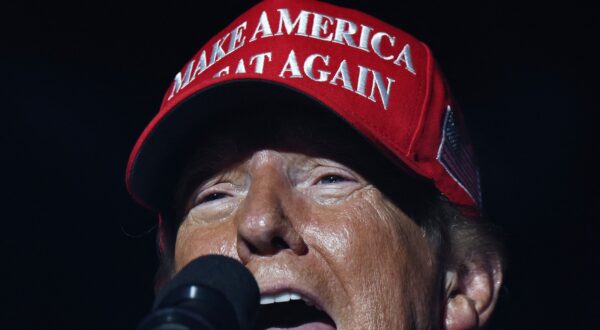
(321, 148)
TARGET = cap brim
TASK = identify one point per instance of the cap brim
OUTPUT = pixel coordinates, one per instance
(161, 152)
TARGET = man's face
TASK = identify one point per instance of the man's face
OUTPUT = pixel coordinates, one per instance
(312, 226)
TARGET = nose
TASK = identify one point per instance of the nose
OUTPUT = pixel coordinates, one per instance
(265, 220)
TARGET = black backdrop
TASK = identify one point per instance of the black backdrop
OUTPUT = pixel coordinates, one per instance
(80, 80)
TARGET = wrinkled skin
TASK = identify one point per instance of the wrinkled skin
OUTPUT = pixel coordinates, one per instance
(309, 206)
(315, 226)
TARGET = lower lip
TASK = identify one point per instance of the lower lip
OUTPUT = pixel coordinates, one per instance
(308, 326)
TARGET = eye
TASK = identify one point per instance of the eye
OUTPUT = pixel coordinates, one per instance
(211, 197)
(331, 179)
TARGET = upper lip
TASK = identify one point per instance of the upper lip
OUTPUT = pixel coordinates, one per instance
(286, 273)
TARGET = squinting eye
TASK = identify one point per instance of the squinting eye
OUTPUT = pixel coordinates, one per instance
(211, 197)
(329, 179)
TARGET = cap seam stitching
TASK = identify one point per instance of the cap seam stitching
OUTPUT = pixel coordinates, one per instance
(425, 101)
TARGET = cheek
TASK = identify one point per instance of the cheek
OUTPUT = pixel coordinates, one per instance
(376, 252)
(362, 231)
(198, 240)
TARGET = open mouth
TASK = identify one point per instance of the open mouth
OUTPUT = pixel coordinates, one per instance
(291, 311)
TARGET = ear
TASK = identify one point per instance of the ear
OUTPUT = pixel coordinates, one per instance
(471, 294)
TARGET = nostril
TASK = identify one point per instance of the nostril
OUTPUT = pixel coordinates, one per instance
(279, 243)
(253, 249)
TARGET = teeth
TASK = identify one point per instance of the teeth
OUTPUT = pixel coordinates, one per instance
(267, 300)
(282, 297)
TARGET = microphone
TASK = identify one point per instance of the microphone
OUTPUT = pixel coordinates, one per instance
(211, 293)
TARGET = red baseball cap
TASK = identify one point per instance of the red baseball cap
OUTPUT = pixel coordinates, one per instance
(380, 80)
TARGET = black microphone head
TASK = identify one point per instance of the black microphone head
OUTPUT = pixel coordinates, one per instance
(222, 274)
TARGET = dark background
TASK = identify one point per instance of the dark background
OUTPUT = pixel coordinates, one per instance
(80, 80)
